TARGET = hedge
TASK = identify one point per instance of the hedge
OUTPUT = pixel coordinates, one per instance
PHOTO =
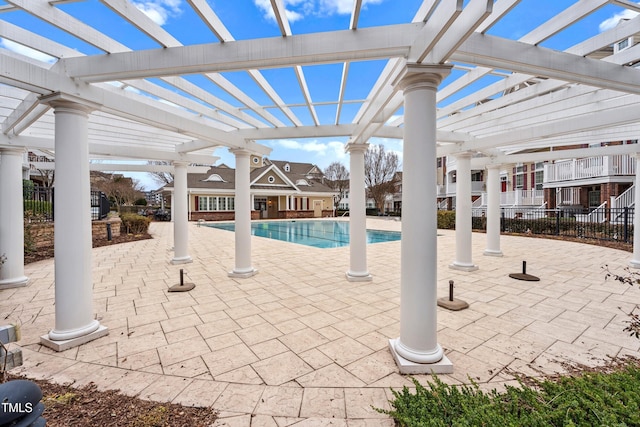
(134, 224)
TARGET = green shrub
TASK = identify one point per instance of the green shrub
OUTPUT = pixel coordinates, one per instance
(134, 224)
(447, 220)
(592, 399)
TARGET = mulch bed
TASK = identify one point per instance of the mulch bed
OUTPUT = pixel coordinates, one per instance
(66, 406)
(47, 251)
(79, 407)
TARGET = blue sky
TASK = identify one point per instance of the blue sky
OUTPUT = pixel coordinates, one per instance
(247, 19)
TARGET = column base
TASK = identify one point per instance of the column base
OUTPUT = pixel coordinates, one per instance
(491, 252)
(242, 274)
(73, 342)
(634, 263)
(182, 260)
(358, 277)
(463, 267)
(443, 366)
(16, 282)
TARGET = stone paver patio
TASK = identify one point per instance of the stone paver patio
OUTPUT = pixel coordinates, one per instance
(298, 344)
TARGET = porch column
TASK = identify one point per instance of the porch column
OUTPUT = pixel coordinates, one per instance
(181, 215)
(493, 211)
(635, 260)
(11, 219)
(74, 319)
(463, 259)
(358, 271)
(243, 266)
(417, 349)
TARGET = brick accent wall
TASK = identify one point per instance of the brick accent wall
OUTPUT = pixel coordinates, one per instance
(40, 234)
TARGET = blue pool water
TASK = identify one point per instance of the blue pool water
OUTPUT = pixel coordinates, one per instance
(319, 234)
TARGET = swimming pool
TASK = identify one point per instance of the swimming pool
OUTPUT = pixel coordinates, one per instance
(319, 234)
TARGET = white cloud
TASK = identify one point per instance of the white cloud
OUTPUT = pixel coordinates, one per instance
(26, 51)
(299, 9)
(610, 23)
(159, 11)
(334, 149)
(342, 7)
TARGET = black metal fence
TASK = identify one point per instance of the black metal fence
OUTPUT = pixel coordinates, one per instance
(38, 204)
(605, 225)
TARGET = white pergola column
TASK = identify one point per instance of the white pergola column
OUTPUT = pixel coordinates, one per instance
(11, 219)
(358, 271)
(75, 323)
(635, 261)
(417, 349)
(463, 259)
(243, 267)
(493, 211)
(180, 215)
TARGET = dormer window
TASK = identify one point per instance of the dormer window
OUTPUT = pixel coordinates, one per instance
(287, 168)
(302, 182)
(214, 178)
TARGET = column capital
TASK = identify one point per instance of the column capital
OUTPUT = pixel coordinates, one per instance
(12, 149)
(180, 163)
(64, 100)
(240, 152)
(419, 75)
(493, 166)
(463, 155)
(356, 147)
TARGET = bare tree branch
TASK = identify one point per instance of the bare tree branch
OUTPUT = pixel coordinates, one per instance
(337, 177)
(380, 169)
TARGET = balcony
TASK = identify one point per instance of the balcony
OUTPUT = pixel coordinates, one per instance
(477, 187)
(588, 168)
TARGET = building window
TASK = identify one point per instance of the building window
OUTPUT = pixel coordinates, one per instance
(539, 176)
(623, 44)
(216, 203)
(287, 168)
(271, 179)
(476, 176)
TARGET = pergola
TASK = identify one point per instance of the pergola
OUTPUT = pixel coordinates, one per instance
(449, 86)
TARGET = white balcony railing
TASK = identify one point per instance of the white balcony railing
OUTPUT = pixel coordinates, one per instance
(590, 167)
(522, 198)
(625, 200)
(477, 187)
(567, 196)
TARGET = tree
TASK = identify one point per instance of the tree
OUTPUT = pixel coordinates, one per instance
(380, 169)
(121, 190)
(337, 177)
(162, 178)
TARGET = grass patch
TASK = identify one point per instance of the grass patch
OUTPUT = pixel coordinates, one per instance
(588, 399)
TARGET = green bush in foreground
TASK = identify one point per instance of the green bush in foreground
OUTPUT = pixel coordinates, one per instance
(592, 399)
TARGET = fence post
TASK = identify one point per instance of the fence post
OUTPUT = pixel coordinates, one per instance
(502, 220)
(557, 222)
(626, 224)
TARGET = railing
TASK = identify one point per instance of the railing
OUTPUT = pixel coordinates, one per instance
(626, 199)
(476, 187)
(38, 204)
(596, 215)
(522, 198)
(443, 205)
(590, 167)
(568, 196)
(558, 222)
